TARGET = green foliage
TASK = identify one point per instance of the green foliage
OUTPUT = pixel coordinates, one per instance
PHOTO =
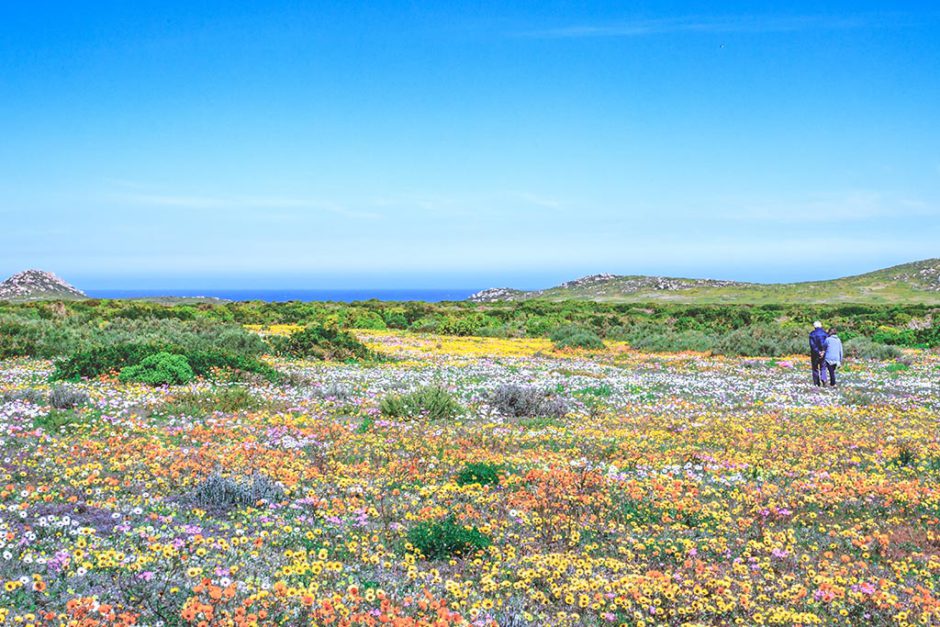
(102, 360)
(221, 399)
(368, 320)
(320, 342)
(479, 472)
(159, 369)
(395, 320)
(863, 348)
(574, 336)
(57, 420)
(432, 402)
(115, 358)
(446, 538)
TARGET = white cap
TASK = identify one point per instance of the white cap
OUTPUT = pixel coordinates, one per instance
(817, 325)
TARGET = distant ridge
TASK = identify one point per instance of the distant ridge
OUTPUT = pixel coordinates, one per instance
(37, 285)
(910, 283)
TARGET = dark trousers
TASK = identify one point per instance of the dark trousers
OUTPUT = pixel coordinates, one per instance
(832, 373)
(818, 364)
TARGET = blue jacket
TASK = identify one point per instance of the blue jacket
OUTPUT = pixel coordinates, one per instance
(817, 341)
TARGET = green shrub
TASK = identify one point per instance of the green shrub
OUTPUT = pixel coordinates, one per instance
(114, 358)
(396, 320)
(320, 342)
(57, 420)
(761, 340)
(479, 472)
(432, 402)
(574, 336)
(103, 360)
(446, 538)
(369, 320)
(159, 369)
(226, 399)
(864, 348)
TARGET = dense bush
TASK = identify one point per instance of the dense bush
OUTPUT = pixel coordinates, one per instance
(112, 359)
(761, 340)
(432, 402)
(45, 331)
(519, 401)
(321, 342)
(574, 336)
(446, 538)
(159, 369)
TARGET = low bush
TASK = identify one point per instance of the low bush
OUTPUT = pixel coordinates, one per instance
(67, 397)
(479, 472)
(432, 402)
(159, 369)
(219, 494)
(864, 348)
(28, 395)
(519, 401)
(762, 340)
(446, 538)
(321, 342)
(57, 420)
(574, 336)
(227, 399)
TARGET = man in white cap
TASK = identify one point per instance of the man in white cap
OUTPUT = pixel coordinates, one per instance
(818, 339)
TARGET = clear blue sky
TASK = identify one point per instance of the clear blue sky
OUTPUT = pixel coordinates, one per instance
(470, 144)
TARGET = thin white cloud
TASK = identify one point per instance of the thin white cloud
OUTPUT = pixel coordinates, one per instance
(181, 201)
(717, 25)
(850, 206)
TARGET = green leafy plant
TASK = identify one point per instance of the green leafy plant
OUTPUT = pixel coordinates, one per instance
(321, 342)
(159, 369)
(574, 336)
(446, 538)
(225, 399)
(482, 473)
(57, 420)
(432, 402)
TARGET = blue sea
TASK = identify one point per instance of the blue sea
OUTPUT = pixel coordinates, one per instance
(343, 296)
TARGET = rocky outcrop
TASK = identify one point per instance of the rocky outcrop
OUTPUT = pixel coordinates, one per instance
(495, 294)
(37, 285)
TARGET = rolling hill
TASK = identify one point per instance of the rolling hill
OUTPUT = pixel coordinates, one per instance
(916, 282)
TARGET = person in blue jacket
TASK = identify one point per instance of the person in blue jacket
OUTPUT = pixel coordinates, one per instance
(818, 339)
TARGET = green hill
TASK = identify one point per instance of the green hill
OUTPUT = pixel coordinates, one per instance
(917, 282)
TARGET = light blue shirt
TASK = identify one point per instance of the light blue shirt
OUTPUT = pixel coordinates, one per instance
(834, 350)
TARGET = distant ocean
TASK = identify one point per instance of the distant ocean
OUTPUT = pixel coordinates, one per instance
(343, 296)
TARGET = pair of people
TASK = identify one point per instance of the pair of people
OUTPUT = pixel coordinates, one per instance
(825, 353)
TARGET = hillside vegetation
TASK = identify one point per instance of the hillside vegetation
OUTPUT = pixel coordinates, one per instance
(917, 282)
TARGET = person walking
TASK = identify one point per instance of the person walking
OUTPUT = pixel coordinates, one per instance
(833, 355)
(817, 352)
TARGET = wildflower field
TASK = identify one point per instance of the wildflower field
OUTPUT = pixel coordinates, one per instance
(642, 489)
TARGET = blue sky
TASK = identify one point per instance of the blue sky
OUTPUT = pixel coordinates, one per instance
(389, 144)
